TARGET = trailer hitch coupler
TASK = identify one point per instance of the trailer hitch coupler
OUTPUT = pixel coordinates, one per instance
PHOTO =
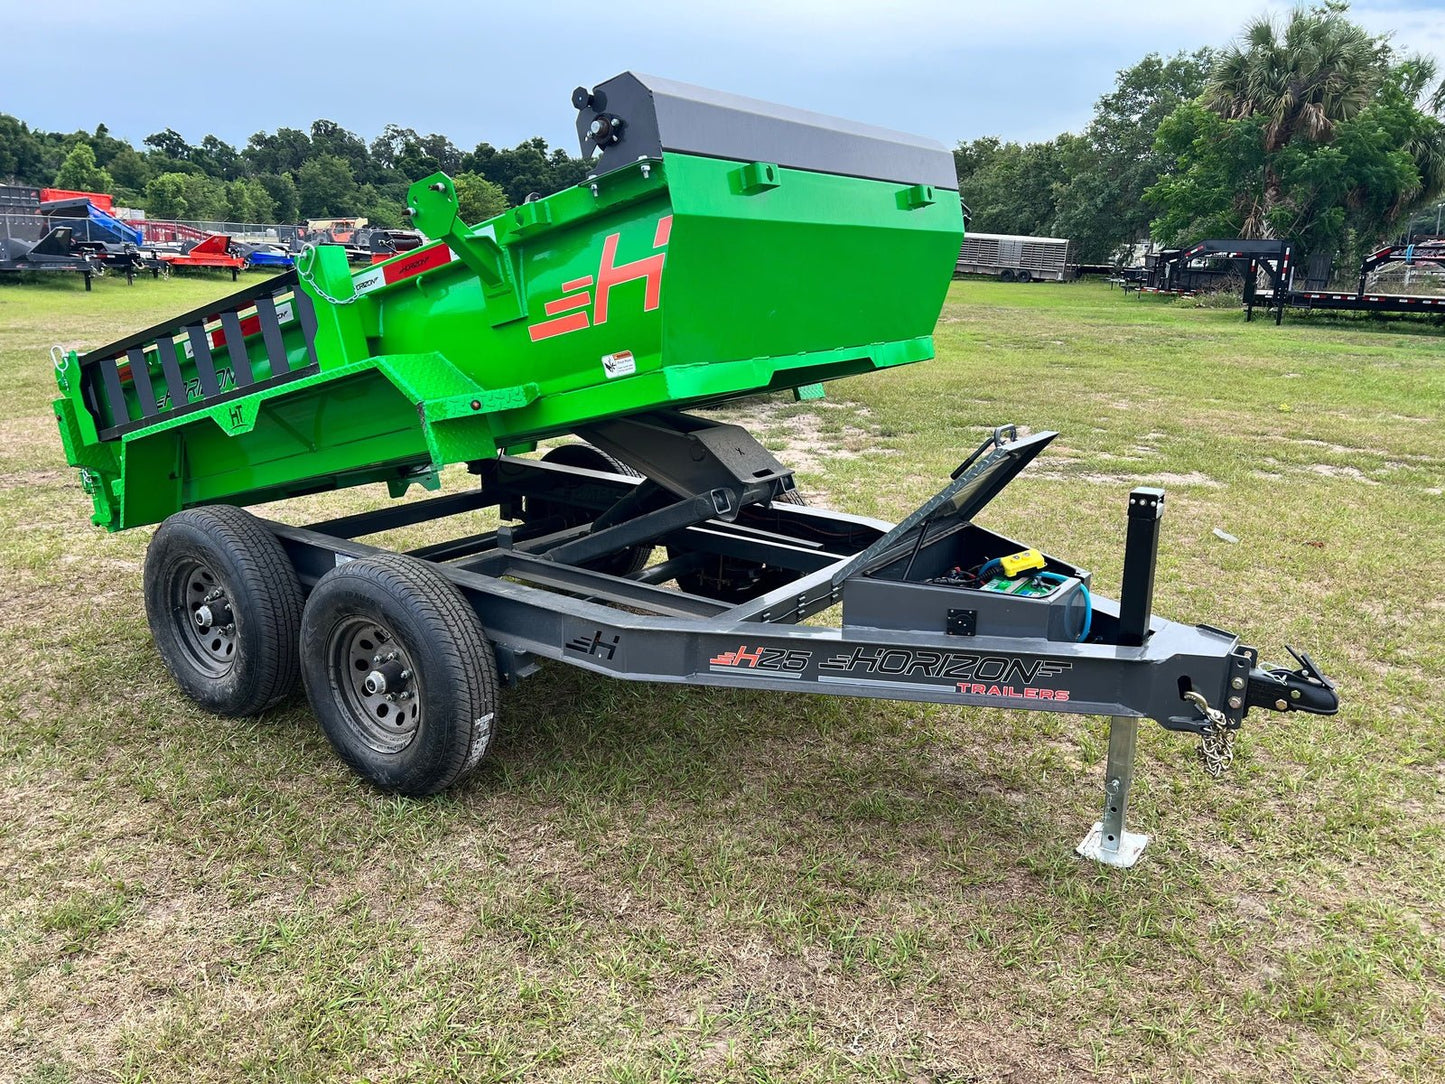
(1305, 689)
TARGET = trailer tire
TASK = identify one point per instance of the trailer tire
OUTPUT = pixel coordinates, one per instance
(423, 717)
(223, 561)
(1006, 275)
(1023, 276)
(791, 496)
(625, 562)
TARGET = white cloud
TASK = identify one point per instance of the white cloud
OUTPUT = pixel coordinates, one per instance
(1414, 28)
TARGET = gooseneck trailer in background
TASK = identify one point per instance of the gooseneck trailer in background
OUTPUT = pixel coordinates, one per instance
(723, 247)
(1264, 271)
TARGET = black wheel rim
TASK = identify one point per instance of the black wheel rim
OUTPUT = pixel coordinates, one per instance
(201, 608)
(375, 684)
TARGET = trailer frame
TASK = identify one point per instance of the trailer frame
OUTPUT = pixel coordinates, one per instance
(798, 249)
(535, 603)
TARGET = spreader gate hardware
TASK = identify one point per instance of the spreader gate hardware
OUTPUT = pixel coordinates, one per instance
(722, 248)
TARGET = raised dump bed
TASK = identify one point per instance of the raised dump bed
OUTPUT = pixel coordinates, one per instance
(695, 266)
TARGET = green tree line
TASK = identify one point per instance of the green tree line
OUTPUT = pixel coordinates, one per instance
(281, 176)
(1306, 127)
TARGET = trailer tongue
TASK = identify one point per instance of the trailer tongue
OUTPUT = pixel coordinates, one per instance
(723, 247)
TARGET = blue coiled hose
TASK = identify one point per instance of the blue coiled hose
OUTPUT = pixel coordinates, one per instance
(1054, 577)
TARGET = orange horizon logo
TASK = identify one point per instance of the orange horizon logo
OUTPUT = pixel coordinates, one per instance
(569, 312)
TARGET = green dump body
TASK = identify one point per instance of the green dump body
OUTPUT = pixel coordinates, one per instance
(697, 265)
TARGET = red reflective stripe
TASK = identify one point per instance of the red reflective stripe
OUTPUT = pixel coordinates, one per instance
(560, 326)
(563, 304)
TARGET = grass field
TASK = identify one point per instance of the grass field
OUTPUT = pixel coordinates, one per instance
(672, 884)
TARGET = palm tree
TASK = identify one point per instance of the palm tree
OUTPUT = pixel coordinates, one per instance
(1302, 79)
(1426, 148)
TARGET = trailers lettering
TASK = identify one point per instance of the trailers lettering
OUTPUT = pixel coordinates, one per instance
(570, 312)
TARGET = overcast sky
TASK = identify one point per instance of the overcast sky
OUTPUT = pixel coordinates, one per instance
(503, 72)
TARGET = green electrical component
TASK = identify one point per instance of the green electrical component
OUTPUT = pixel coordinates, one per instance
(722, 248)
(1027, 587)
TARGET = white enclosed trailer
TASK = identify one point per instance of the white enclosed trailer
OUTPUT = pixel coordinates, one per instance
(1014, 258)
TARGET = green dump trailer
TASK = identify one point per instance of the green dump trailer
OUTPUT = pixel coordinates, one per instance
(829, 257)
(721, 247)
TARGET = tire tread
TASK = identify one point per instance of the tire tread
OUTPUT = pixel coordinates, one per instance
(274, 597)
(457, 635)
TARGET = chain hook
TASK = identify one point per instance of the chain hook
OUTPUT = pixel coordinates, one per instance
(304, 259)
(1216, 746)
(61, 360)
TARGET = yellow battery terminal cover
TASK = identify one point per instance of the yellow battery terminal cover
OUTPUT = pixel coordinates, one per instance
(1025, 561)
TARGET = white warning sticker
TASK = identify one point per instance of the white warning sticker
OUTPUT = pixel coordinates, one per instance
(371, 280)
(618, 364)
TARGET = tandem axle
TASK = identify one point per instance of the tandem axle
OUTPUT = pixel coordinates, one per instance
(744, 582)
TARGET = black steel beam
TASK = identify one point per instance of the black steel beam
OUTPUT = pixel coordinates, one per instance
(1141, 552)
(403, 515)
(601, 587)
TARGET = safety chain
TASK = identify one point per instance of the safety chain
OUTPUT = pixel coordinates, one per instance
(304, 258)
(1216, 746)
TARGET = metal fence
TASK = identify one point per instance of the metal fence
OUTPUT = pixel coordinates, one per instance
(1417, 280)
(183, 230)
(29, 226)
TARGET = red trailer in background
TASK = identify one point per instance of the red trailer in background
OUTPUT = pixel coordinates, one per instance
(99, 200)
(214, 251)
